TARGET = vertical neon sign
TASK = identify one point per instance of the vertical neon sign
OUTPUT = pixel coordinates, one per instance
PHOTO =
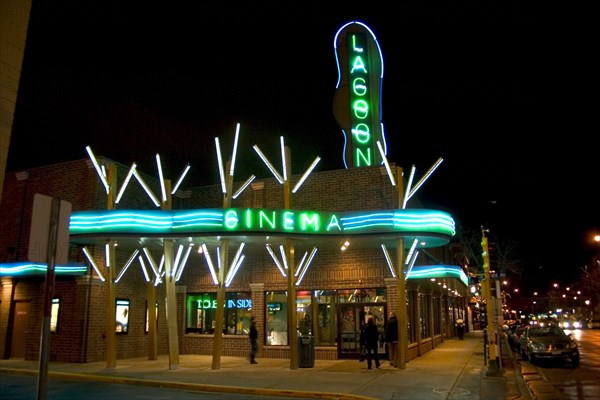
(360, 104)
(357, 101)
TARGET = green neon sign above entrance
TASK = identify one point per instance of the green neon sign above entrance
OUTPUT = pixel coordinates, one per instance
(250, 221)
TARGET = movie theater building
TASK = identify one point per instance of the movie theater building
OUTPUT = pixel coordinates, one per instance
(154, 268)
(347, 280)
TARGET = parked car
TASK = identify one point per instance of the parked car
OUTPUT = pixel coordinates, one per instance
(548, 343)
(515, 336)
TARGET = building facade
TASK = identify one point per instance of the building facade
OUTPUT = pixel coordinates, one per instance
(337, 292)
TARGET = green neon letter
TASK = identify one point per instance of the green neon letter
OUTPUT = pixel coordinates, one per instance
(361, 109)
(359, 86)
(248, 218)
(263, 217)
(231, 219)
(361, 156)
(334, 222)
(288, 220)
(358, 64)
(354, 48)
(310, 219)
(361, 133)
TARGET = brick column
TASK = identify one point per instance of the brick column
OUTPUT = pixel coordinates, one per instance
(258, 312)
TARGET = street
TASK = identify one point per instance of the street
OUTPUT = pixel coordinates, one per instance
(582, 382)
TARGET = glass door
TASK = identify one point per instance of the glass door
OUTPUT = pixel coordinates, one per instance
(352, 317)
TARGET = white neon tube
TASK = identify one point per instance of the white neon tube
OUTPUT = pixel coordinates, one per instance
(127, 264)
(185, 171)
(410, 266)
(411, 251)
(387, 164)
(97, 167)
(388, 260)
(424, 178)
(283, 257)
(268, 164)
(176, 262)
(238, 254)
(150, 261)
(211, 268)
(408, 186)
(162, 264)
(235, 144)
(146, 188)
(221, 168)
(306, 174)
(125, 182)
(161, 179)
(141, 260)
(310, 258)
(93, 263)
(107, 254)
(183, 263)
(301, 264)
(244, 186)
(234, 269)
(283, 158)
(276, 260)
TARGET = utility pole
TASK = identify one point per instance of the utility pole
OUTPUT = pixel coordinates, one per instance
(493, 367)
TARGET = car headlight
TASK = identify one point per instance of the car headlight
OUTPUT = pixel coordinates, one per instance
(577, 325)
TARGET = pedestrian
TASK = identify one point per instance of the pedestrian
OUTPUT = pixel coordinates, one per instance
(253, 340)
(369, 338)
(460, 328)
(391, 337)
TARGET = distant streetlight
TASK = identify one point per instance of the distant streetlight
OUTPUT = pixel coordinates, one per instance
(597, 238)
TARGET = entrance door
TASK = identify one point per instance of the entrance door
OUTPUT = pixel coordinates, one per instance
(19, 333)
(351, 317)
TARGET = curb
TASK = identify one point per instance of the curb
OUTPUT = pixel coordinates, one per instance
(196, 387)
(539, 388)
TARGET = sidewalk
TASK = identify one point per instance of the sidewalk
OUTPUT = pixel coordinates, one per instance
(455, 369)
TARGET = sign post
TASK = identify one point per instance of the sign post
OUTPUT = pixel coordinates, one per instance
(49, 222)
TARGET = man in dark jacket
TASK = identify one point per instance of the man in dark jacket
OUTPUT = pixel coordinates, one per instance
(369, 338)
(391, 336)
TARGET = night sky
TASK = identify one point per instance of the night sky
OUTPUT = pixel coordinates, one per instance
(497, 89)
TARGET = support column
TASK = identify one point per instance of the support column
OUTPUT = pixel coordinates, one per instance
(401, 282)
(171, 306)
(152, 327)
(111, 306)
(171, 303)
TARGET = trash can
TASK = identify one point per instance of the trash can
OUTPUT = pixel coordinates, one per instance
(306, 351)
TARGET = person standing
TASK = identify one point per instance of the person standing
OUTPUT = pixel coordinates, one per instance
(253, 340)
(369, 338)
(460, 328)
(391, 336)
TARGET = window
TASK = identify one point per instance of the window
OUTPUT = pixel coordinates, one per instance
(315, 313)
(424, 315)
(276, 322)
(54, 315)
(122, 316)
(201, 312)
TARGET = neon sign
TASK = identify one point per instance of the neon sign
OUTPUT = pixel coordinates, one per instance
(434, 227)
(360, 104)
(357, 99)
(209, 303)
